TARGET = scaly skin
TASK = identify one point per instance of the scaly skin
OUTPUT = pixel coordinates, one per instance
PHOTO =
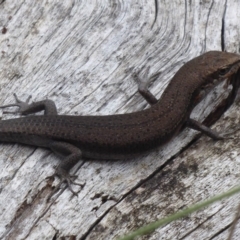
(123, 135)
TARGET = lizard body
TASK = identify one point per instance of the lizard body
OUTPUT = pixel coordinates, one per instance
(123, 135)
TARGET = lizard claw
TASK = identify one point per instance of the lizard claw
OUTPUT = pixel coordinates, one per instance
(229, 134)
(145, 80)
(65, 177)
(20, 104)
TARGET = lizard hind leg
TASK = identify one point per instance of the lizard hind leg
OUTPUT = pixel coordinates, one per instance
(22, 105)
(72, 156)
(25, 108)
(67, 178)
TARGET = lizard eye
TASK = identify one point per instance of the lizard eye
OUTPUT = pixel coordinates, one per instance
(223, 71)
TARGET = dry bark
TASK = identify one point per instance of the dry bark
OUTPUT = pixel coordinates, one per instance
(82, 55)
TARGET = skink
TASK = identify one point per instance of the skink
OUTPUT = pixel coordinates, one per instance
(122, 135)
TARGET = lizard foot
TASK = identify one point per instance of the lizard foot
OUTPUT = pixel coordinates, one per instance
(144, 81)
(65, 177)
(21, 104)
(143, 84)
(229, 134)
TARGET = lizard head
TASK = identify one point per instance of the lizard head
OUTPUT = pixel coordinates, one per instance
(221, 65)
(214, 67)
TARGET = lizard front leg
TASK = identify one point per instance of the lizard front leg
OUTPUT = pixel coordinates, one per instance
(191, 123)
(143, 84)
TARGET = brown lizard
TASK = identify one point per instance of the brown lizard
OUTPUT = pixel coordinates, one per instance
(122, 135)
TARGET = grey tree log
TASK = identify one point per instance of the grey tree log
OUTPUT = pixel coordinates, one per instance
(82, 54)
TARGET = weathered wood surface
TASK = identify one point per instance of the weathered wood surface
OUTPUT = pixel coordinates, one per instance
(82, 54)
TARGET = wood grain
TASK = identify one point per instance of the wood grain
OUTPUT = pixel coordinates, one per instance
(82, 54)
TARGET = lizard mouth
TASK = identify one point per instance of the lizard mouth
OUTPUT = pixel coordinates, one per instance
(225, 73)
